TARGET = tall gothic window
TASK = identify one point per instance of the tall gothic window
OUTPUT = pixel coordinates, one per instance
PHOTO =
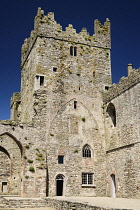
(86, 151)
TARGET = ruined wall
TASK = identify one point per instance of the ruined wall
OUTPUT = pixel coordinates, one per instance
(123, 139)
(25, 149)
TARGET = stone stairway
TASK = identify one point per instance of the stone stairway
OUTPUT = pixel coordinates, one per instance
(18, 202)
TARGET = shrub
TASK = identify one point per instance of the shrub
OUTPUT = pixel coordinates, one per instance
(30, 161)
(83, 119)
(32, 169)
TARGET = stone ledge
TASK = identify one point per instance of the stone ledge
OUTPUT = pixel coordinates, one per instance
(72, 205)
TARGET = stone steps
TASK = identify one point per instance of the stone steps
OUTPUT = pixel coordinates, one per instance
(22, 203)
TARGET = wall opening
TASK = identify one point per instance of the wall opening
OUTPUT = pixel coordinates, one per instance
(54, 69)
(59, 185)
(86, 151)
(75, 104)
(113, 186)
(112, 113)
(4, 187)
(41, 80)
(60, 159)
(73, 51)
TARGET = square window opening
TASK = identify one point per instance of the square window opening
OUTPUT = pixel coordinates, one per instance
(54, 69)
(87, 178)
(60, 159)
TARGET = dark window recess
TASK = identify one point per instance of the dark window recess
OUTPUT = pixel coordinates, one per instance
(112, 113)
(93, 73)
(54, 69)
(41, 80)
(60, 159)
(75, 51)
(75, 104)
(71, 50)
(106, 87)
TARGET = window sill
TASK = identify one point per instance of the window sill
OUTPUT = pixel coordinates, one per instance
(88, 186)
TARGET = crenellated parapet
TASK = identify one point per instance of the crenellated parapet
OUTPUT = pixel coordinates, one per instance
(46, 26)
(124, 84)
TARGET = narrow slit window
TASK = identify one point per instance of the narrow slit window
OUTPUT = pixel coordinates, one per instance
(75, 104)
(75, 51)
(71, 50)
(93, 73)
(41, 80)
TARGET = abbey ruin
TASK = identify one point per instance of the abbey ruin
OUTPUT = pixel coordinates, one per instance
(71, 131)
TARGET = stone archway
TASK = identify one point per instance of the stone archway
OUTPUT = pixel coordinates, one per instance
(10, 165)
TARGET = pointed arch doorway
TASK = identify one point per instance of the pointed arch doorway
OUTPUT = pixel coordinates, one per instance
(59, 185)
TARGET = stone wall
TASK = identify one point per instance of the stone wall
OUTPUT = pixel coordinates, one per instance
(123, 138)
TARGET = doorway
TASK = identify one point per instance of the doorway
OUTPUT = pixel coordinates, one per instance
(59, 185)
(113, 186)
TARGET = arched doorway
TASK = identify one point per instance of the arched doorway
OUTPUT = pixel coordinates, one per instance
(10, 165)
(113, 186)
(59, 185)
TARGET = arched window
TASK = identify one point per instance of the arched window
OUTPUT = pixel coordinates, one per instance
(112, 113)
(86, 151)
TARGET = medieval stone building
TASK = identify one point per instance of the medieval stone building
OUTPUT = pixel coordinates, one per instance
(71, 131)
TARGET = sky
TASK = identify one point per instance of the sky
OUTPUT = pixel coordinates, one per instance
(17, 21)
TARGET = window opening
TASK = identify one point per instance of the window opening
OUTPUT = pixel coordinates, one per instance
(41, 80)
(75, 51)
(106, 87)
(113, 185)
(60, 159)
(87, 178)
(86, 151)
(71, 50)
(4, 187)
(75, 104)
(112, 113)
(93, 73)
(54, 69)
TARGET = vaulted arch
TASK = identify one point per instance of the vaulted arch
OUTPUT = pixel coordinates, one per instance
(10, 156)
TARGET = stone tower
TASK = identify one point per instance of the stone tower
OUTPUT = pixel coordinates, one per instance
(71, 131)
(63, 76)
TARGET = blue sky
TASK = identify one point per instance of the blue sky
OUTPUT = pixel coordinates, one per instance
(16, 22)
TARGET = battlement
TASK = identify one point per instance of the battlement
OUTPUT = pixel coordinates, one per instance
(124, 84)
(46, 26)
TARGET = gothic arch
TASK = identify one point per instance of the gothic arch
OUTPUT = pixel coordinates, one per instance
(112, 113)
(86, 151)
(11, 152)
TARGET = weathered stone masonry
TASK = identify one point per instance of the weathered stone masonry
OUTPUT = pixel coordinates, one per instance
(71, 132)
